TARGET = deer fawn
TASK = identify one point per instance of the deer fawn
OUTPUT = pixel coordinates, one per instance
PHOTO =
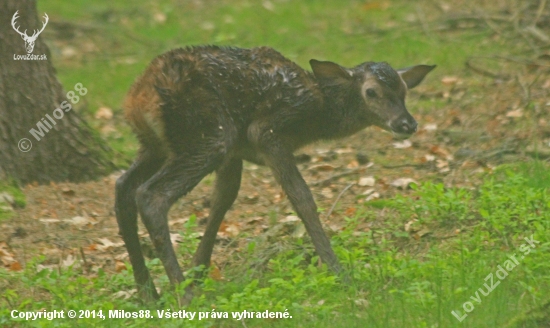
(204, 109)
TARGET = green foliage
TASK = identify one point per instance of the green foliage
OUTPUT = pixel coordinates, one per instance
(10, 189)
(392, 284)
(435, 202)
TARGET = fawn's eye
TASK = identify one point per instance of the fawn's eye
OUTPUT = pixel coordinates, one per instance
(371, 93)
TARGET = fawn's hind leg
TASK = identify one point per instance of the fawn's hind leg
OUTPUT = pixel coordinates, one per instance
(177, 177)
(228, 181)
(143, 168)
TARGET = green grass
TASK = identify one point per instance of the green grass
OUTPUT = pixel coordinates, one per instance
(10, 189)
(398, 281)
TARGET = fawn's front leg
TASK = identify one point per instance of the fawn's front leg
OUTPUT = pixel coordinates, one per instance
(282, 163)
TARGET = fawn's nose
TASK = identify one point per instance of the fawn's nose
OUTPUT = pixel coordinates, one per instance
(408, 126)
(405, 125)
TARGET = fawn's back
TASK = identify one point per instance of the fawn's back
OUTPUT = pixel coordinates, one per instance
(208, 91)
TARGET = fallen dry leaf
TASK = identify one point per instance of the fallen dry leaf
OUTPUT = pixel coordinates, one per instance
(91, 247)
(353, 164)
(429, 127)
(408, 225)
(159, 17)
(443, 166)
(251, 199)
(40, 267)
(290, 218)
(421, 233)
(372, 196)
(107, 244)
(70, 260)
(449, 80)
(361, 302)
(350, 211)
(402, 182)
(104, 113)
(120, 266)
(175, 238)
(232, 230)
(427, 158)
(440, 151)
(80, 221)
(322, 167)
(223, 227)
(402, 144)
(124, 294)
(368, 191)
(515, 113)
(67, 192)
(367, 181)
(6, 256)
(215, 272)
(327, 193)
(15, 266)
(346, 150)
(49, 220)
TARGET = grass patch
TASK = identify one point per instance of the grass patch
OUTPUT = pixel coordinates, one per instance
(10, 196)
(398, 280)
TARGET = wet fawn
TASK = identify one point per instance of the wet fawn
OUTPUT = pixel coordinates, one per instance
(203, 109)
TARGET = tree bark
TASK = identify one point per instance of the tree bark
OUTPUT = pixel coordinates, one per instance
(29, 97)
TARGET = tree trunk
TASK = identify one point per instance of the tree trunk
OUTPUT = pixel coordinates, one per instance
(42, 138)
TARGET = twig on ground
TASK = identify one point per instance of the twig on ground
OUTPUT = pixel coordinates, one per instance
(338, 198)
(483, 71)
(86, 265)
(398, 166)
(337, 176)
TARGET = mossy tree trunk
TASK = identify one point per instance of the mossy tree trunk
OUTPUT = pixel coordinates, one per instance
(29, 97)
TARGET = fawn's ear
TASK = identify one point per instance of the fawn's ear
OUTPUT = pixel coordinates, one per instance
(415, 74)
(329, 72)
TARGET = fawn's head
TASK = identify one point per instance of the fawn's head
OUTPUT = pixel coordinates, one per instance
(377, 89)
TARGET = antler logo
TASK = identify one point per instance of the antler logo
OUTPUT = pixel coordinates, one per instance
(29, 40)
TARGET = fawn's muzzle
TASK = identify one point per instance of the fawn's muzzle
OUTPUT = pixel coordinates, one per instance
(404, 126)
